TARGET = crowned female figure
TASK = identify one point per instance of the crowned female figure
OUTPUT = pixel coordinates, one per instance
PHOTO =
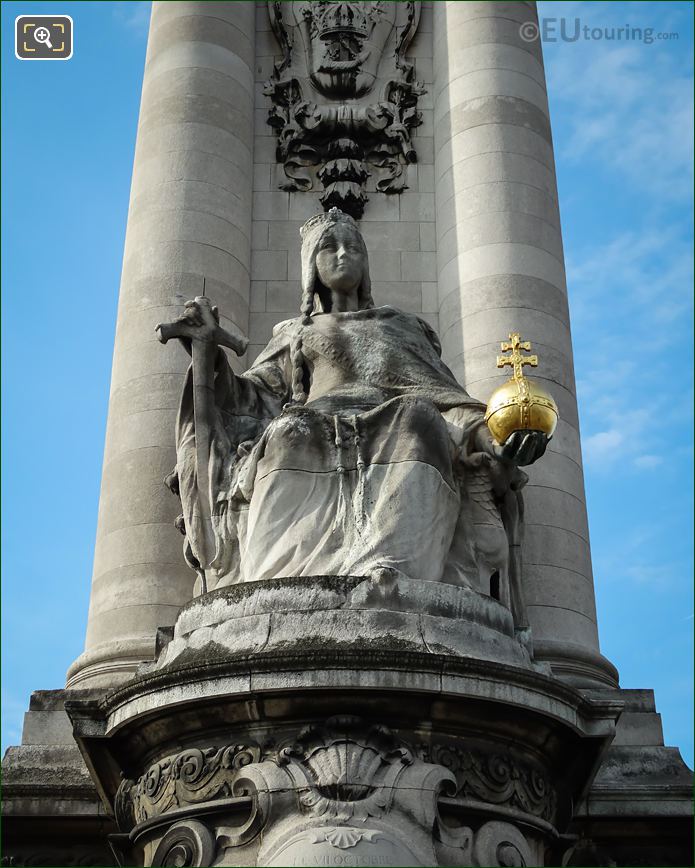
(348, 447)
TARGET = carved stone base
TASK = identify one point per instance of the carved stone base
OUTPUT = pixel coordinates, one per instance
(342, 721)
(335, 613)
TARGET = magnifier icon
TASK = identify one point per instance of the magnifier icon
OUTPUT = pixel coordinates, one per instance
(43, 36)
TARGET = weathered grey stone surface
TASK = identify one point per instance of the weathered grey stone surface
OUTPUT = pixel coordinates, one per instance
(500, 261)
(52, 814)
(405, 221)
(331, 613)
(344, 99)
(348, 448)
(216, 755)
(189, 222)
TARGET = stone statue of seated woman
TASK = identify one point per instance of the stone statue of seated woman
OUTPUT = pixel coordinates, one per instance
(348, 448)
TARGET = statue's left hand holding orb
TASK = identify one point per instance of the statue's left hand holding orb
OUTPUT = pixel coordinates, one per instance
(522, 447)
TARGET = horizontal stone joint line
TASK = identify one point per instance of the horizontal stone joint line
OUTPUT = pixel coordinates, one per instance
(492, 308)
(133, 311)
(553, 488)
(103, 578)
(187, 181)
(249, 90)
(251, 42)
(462, 220)
(149, 376)
(588, 579)
(494, 123)
(563, 609)
(467, 20)
(120, 455)
(194, 151)
(195, 211)
(490, 343)
(146, 127)
(132, 413)
(203, 244)
(103, 537)
(154, 102)
(498, 307)
(509, 244)
(541, 84)
(550, 169)
(176, 606)
(506, 183)
(556, 527)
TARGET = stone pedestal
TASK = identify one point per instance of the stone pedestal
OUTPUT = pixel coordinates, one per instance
(369, 720)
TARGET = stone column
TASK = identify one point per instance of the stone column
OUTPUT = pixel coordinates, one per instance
(501, 268)
(189, 220)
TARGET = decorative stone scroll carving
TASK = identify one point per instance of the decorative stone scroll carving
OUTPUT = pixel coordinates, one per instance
(497, 780)
(501, 844)
(343, 785)
(189, 843)
(188, 778)
(344, 96)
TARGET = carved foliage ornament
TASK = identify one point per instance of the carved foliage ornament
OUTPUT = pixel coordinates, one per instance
(188, 778)
(344, 770)
(344, 96)
(345, 783)
(497, 780)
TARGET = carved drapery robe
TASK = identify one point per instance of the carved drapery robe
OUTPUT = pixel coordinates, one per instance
(365, 475)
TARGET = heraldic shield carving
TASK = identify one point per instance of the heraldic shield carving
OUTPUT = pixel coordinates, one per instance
(344, 97)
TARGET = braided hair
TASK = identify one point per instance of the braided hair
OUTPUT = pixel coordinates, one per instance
(315, 296)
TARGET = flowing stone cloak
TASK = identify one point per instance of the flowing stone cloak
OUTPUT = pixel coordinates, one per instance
(361, 477)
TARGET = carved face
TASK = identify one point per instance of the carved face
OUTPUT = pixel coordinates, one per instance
(340, 259)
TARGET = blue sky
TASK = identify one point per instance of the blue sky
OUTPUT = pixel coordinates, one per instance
(622, 126)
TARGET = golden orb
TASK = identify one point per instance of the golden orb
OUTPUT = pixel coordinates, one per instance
(519, 404)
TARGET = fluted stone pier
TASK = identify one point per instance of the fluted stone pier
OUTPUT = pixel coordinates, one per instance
(500, 267)
(189, 220)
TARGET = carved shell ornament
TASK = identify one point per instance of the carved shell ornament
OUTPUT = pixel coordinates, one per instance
(345, 768)
(344, 97)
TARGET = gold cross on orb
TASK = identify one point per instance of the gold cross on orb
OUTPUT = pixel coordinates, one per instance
(516, 360)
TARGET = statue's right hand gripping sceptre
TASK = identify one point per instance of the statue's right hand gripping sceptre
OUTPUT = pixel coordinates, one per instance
(200, 325)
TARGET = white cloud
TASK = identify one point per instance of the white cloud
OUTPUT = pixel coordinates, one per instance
(647, 272)
(660, 575)
(648, 462)
(628, 104)
(603, 446)
(630, 560)
(627, 438)
(631, 304)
